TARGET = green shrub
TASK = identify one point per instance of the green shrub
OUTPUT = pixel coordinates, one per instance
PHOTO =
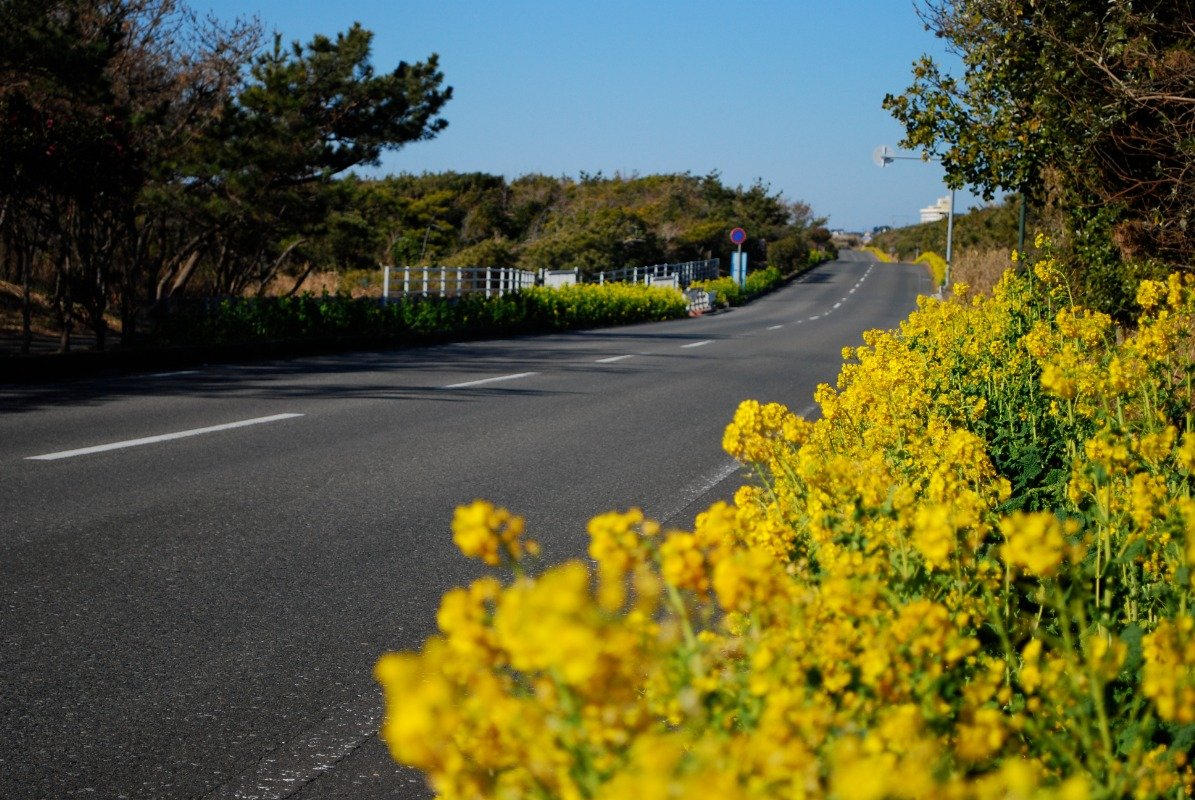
(936, 264)
(729, 293)
(309, 317)
(970, 577)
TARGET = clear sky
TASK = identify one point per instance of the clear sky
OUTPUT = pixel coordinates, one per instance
(785, 91)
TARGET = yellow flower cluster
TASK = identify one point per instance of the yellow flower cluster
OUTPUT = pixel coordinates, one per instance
(972, 577)
(483, 531)
(1169, 674)
(1033, 542)
(764, 434)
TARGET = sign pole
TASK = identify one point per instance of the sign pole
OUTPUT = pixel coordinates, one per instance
(738, 260)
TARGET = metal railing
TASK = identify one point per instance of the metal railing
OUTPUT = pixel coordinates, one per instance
(685, 273)
(453, 281)
(497, 281)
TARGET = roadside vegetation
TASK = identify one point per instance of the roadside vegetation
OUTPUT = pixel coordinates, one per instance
(728, 292)
(417, 320)
(151, 156)
(972, 576)
(984, 239)
(1083, 112)
(990, 227)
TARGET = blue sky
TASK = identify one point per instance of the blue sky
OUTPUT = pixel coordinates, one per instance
(787, 92)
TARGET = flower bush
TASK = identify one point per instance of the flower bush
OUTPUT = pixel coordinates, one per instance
(880, 254)
(937, 266)
(970, 578)
(729, 293)
(234, 320)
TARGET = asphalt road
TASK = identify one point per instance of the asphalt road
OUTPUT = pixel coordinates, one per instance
(199, 569)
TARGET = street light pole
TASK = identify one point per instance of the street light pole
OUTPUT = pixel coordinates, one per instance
(883, 156)
(949, 242)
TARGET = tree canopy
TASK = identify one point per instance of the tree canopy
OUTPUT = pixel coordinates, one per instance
(1090, 107)
(143, 143)
(150, 153)
(590, 223)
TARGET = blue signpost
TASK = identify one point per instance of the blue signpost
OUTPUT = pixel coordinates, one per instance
(738, 260)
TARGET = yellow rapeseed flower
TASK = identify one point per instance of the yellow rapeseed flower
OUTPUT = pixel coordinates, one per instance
(1185, 454)
(1033, 542)
(1150, 294)
(485, 531)
(1169, 675)
(865, 620)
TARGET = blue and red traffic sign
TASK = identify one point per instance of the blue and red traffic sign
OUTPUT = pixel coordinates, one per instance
(738, 236)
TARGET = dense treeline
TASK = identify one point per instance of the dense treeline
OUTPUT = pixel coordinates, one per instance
(995, 226)
(1084, 108)
(148, 153)
(535, 221)
(145, 149)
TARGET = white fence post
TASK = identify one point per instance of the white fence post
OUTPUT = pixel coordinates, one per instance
(406, 281)
(385, 285)
(487, 281)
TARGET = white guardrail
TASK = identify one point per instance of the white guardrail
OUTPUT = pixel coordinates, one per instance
(453, 281)
(497, 281)
(679, 275)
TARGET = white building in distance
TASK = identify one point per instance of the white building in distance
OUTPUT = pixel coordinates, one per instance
(937, 211)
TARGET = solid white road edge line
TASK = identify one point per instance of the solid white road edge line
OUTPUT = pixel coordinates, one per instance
(467, 384)
(612, 359)
(173, 374)
(165, 437)
(689, 494)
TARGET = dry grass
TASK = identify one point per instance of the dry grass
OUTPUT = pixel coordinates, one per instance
(331, 282)
(43, 323)
(42, 316)
(980, 268)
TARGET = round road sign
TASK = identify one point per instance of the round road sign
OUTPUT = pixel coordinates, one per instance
(738, 236)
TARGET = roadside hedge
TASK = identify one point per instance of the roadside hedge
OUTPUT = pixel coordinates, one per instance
(729, 293)
(311, 317)
(972, 577)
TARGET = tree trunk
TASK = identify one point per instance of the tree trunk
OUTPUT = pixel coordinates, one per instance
(101, 331)
(128, 320)
(299, 280)
(66, 308)
(181, 279)
(273, 270)
(25, 259)
(187, 256)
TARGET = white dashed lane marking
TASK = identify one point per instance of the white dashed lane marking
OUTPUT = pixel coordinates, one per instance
(164, 437)
(483, 381)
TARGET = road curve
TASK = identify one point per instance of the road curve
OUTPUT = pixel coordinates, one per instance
(200, 568)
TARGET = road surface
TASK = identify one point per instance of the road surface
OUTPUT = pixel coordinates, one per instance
(201, 568)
